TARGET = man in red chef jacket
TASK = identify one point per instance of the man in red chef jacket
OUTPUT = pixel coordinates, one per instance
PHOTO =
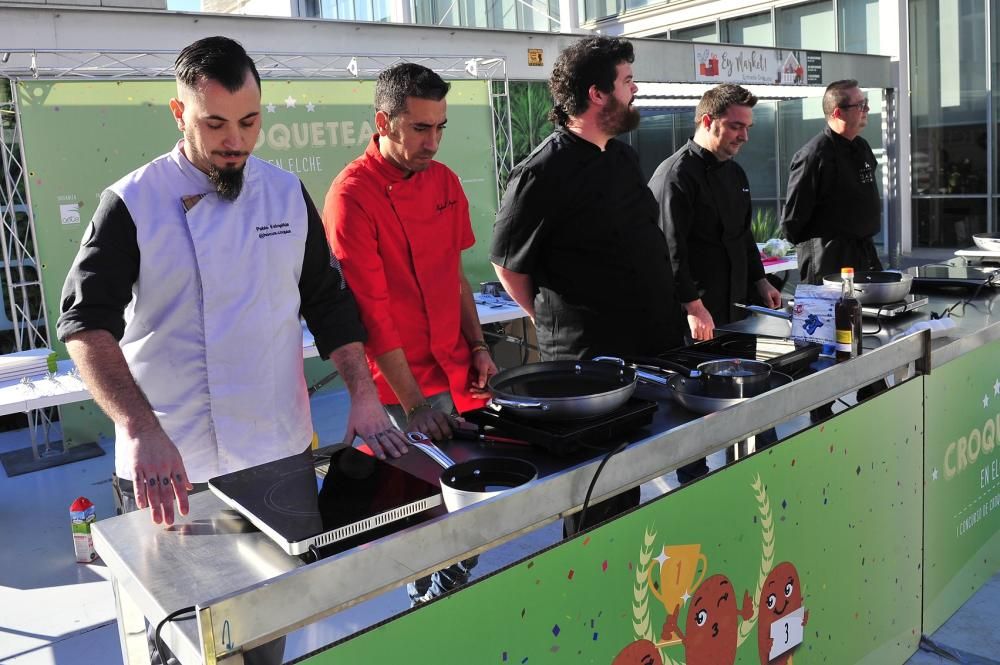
(398, 221)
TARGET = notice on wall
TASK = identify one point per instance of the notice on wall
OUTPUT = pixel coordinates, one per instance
(723, 63)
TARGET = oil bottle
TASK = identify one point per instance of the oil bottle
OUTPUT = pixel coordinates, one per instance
(847, 318)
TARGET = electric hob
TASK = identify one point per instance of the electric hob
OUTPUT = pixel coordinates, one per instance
(301, 512)
(564, 437)
(784, 355)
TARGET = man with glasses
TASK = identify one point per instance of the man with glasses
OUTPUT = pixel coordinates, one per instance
(833, 208)
(705, 210)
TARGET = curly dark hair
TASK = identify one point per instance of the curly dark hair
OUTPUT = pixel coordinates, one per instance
(717, 101)
(407, 79)
(219, 59)
(590, 61)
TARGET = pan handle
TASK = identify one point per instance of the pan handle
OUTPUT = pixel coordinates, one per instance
(516, 404)
(645, 376)
(757, 309)
(433, 452)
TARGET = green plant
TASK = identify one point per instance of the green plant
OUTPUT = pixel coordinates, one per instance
(530, 104)
(764, 225)
(529, 124)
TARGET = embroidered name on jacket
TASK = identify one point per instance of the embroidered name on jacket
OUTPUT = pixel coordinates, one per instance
(441, 207)
(279, 229)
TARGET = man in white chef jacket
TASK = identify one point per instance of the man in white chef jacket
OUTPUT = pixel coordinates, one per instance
(182, 306)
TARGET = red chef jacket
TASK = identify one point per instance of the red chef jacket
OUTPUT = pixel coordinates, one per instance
(399, 241)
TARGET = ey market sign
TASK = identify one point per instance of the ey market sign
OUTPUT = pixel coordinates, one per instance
(720, 63)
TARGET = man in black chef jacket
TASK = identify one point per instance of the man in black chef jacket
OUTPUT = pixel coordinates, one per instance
(833, 207)
(705, 210)
(577, 242)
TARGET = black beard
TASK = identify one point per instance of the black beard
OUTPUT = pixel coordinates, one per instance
(228, 182)
(617, 118)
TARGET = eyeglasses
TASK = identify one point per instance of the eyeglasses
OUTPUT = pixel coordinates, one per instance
(862, 105)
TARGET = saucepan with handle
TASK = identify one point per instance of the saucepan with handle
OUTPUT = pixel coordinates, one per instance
(466, 483)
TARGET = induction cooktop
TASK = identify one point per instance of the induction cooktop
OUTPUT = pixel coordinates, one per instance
(288, 501)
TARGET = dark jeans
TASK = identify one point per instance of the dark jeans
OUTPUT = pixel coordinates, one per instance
(272, 653)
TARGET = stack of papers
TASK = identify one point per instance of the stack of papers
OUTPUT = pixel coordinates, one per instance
(25, 363)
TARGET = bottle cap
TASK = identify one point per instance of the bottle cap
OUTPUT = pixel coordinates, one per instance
(847, 272)
(81, 504)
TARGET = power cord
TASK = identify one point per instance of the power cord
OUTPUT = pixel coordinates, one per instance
(593, 481)
(962, 303)
(157, 640)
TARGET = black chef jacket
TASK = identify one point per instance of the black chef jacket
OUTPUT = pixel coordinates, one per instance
(582, 223)
(705, 214)
(833, 207)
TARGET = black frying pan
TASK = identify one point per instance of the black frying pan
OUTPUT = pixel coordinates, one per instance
(563, 389)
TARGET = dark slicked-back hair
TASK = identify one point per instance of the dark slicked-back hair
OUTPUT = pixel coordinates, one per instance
(837, 95)
(590, 61)
(717, 101)
(217, 59)
(407, 79)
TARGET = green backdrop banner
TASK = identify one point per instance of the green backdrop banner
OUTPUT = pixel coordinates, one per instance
(81, 136)
(814, 542)
(962, 481)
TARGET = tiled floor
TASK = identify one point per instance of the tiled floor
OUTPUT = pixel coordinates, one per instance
(54, 611)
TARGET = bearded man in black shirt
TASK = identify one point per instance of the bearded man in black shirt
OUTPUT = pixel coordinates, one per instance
(833, 207)
(576, 241)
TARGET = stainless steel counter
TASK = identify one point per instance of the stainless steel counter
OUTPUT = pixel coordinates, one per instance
(247, 591)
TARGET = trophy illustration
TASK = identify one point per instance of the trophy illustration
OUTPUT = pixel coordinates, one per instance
(680, 573)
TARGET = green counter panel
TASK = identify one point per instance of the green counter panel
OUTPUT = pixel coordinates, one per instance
(961, 480)
(835, 511)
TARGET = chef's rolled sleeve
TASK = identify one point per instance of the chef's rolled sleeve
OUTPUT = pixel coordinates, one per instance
(520, 230)
(98, 286)
(328, 305)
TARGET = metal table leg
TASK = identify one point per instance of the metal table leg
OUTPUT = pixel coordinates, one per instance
(131, 627)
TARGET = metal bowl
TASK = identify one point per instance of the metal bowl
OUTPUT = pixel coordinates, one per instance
(988, 241)
(877, 287)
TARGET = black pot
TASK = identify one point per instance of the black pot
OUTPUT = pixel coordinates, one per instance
(563, 389)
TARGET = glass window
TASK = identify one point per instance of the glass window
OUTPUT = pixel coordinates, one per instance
(661, 133)
(808, 26)
(859, 25)
(798, 121)
(700, 33)
(752, 30)
(759, 155)
(635, 4)
(381, 11)
(948, 98)
(948, 221)
(595, 9)
(995, 56)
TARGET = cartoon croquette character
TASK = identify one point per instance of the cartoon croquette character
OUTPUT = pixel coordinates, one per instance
(711, 627)
(640, 652)
(780, 596)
